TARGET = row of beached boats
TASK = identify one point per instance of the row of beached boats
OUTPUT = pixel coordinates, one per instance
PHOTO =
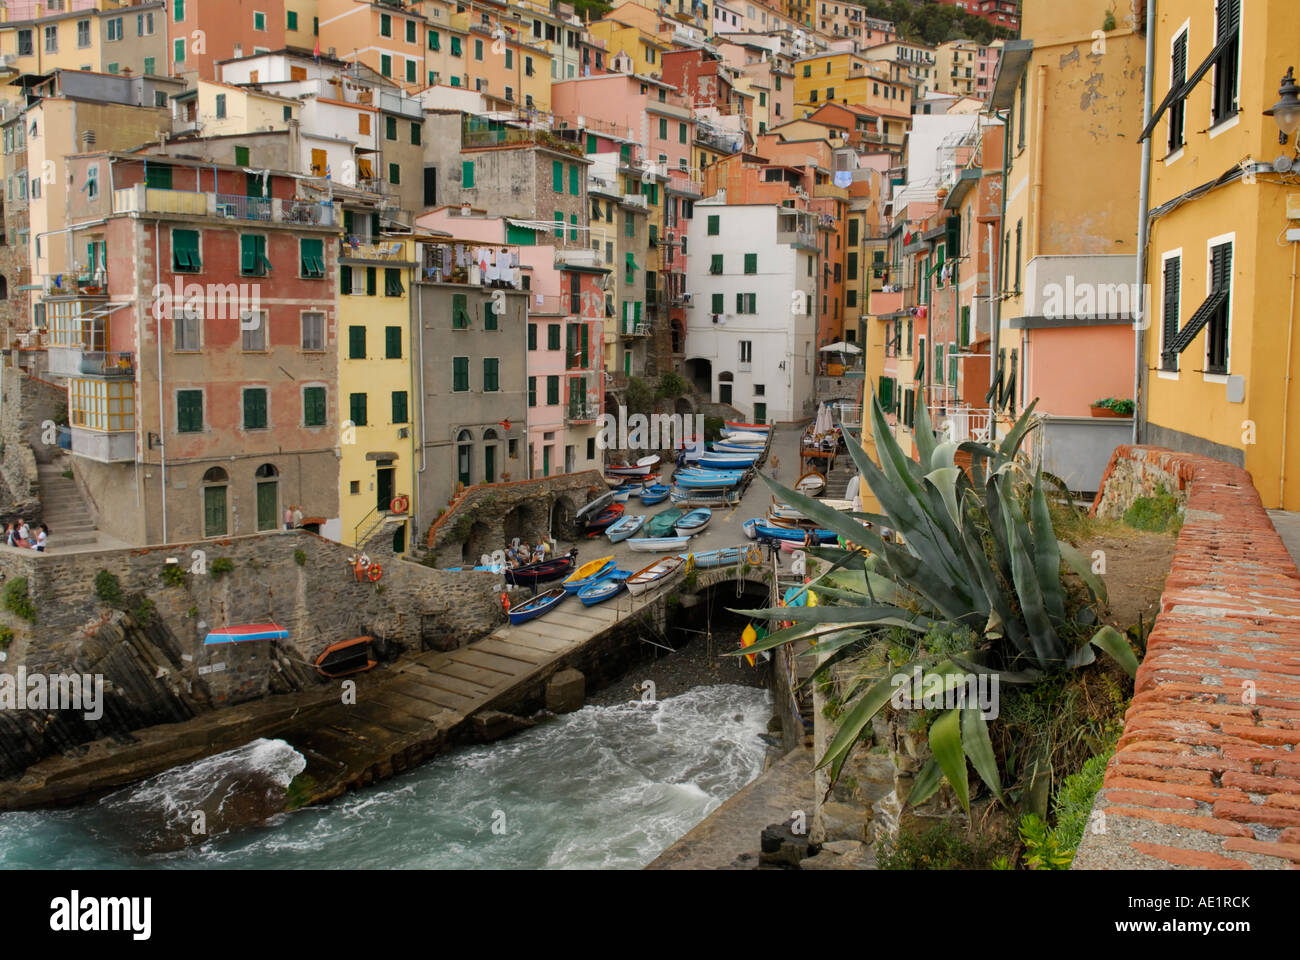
(597, 581)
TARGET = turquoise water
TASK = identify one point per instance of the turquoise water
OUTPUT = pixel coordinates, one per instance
(605, 787)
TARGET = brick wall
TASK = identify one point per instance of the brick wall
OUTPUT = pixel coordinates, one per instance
(1207, 774)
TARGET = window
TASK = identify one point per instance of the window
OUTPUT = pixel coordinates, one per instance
(552, 390)
(410, 32)
(1020, 239)
(393, 282)
(252, 331)
(467, 173)
(259, 20)
(151, 70)
(83, 33)
(415, 134)
(313, 330)
(478, 49)
(746, 303)
(393, 343)
(532, 336)
(459, 311)
(25, 48)
(345, 280)
(385, 25)
(713, 224)
(552, 336)
(719, 303)
(455, 52)
(255, 408)
(1178, 77)
(1171, 306)
(252, 255)
(411, 67)
(356, 342)
(1227, 34)
(313, 407)
(491, 374)
(52, 38)
(189, 411)
(291, 20)
(178, 46)
(386, 65)
(574, 189)
(460, 374)
(186, 328)
(185, 251)
(311, 258)
(751, 263)
(1213, 315)
(715, 264)
(532, 391)
(490, 315)
(178, 10)
(746, 351)
(435, 40)
(399, 406)
(357, 409)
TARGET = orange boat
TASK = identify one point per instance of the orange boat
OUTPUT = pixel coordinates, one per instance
(345, 657)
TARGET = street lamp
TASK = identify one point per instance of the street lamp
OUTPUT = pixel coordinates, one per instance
(1286, 112)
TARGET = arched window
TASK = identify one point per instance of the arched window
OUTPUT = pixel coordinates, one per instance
(464, 457)
(490, 447)
(216, 522)
(725, 383)
(268, 496)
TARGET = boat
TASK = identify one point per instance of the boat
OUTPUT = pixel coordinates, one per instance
(767, 531)
(750, 527)
(691, 497)
(811, 484)
(662, 524)
(494, 568)
(709, 472)
(246, 632)
(658, 544)
(726, 460)
(740, 427)
(588, 573)
(595, 506)
(694, 522)
(741, 436)
(604, 588)
(544, 571)
(656, 493)
(716, 558)
(726, 446)
(536, 606)
(640, 469)
(787, 512)
(345, 657)
(624, 528)
(655, 574)
(605, 519)
(711, 482)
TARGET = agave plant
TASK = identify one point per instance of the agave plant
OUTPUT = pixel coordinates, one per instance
(979, 553)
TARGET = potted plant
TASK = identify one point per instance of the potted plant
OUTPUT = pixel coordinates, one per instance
(1112, 407)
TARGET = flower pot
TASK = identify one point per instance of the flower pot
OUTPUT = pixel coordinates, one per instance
(1105, 412)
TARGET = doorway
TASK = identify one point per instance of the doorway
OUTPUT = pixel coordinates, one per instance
(385, 477)
(268, 489)
(760, 413)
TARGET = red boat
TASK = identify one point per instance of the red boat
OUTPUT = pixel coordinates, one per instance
(605, 518)
(751, 427)
(345, 657)
(530, 575)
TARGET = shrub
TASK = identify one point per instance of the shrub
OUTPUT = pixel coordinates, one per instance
(671, 386)
(941, 847)
(17, 600)
(144, 610)
(300, 557)
(173, 575)
(222, 566)
(1158, 514)
(6, 636)
(108, 588)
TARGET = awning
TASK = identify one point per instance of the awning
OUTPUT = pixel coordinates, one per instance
(537, 225)
(1015, 57)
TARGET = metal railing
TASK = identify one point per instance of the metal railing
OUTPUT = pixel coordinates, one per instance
(102, 364)
(237, 207)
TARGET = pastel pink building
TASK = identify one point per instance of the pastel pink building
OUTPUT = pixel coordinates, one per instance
(642, 109)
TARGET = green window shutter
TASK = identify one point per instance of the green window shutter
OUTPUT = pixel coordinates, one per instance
(255, 409)
(248, 262)
(663, 129)
(185, 251)
(386, 65)
(311, 257)
(625, 152)
(393, 282)
(719, 303)
(938, 363)
(394, 173)
(557, 176)
(552, 336)
(467, 173)
(478, 49)
(399, 406)
(552, 390)
(241, 156)
(345, 279)
(291, 20)
(434, 40)
(965, 326)
(532, 336)
(356, 342)
(489, 315)
(532, 391)
(591, 143)
(415, 134)
(573, 180)
(573, 228)
(713, 224)
(371, 281)
(715, 264)
(411, 66)
(410, 31)
(393, 343)
(952, 364)
(313, 407)
(886, 394)
(491, 367)
(681, 133)
(189, 411)
(559, 224)
(357, 409)
(751, 263)
(460, 374)
(455, 47)
(459, 312)
(158, 177)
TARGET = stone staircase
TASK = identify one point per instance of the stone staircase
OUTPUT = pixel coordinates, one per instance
(62, 507)
(838, 480)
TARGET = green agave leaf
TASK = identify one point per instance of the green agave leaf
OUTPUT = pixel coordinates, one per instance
(829, 519)
(945, 744)
(945, 481)
(975, 741)
(1111, 641)
(1079, 564)
(1016, 436)
(820, 614)
(777, 638)
(945, 455)
(923, 433)
(1047, 556)
(926, 783)
(1004, 676)
(1048, 649)
(853, 721)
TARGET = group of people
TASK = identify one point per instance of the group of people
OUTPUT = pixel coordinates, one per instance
(519, 554)
(20, 535)
(292, 517)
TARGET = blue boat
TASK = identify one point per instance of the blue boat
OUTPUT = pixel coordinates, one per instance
(655, 493)
(751, 527)
(536, 606)
(698, 482)
(624, 528)
(658, 544)
(573, 585)
(604, 588)
(716, 558)
(246, 632)
(764, 532)
(694, 522)
(729, 460)
(722, 446)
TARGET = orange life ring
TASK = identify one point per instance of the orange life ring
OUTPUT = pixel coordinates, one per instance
(505, 601)
(399, 505)
(375, 572)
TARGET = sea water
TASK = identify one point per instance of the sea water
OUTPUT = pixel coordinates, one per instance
(603, 787)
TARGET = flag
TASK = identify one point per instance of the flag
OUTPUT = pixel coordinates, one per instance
(316, 52)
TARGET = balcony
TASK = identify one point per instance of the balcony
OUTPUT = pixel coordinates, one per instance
(186, 203)
(801, 239)
(103, 446)
(98, 363)
(631, 328)
(101, 416)
(587, 412)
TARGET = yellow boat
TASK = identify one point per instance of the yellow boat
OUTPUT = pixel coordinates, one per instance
(747, 639)
(585, 571)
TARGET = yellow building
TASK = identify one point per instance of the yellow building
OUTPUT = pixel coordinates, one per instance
(849, 78)
(110, 37)
(621, 38)
(227, 109)
(376, 364)
(1220, 351)
(301, 24)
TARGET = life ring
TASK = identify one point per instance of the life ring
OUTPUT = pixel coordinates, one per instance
(399, 505)
(505, 601)
(754, 555)
(375, 572)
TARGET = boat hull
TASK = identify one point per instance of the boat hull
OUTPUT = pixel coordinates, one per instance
(589, 572)
(694, 522)
(600, 591)
(246, 633)
(792, 535)
(624, 528)
(657, 544)
(537, 606)
(345, 658)
(654, 575)
(717, 558)
(544, 572)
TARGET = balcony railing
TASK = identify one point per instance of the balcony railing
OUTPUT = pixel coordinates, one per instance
(799, 238)
(230, 206)
(582, 413)
(630, 328)
(101, 364)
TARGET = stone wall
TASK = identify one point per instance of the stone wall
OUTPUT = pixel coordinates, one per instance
(488, 516)
(25, 403)
(1205, 774)
(294, 578)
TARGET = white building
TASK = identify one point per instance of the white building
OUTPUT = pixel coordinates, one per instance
(752, 329)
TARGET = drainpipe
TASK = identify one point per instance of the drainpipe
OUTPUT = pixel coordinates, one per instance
(162, 409)
(419, 322)
(995, 326)
(1142, 319)
(1286, 383)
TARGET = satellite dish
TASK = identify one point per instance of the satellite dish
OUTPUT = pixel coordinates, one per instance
(1283, 164)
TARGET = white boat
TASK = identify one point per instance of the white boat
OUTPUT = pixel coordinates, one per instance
(811, 484)
(642, 468)
(657, 544)
(652, 576)
(694, 522)
(624, 528)
(745, 437)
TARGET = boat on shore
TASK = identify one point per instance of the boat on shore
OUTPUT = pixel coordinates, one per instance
(694, 522)
(748, 438)
(795, 535)
(544, 571)
(605, 519)
(662, 524)
(716, 558)
(656, 574)
(534, 607)
(588, 573)
(246, 632)
(811, 484)
(345, 658)
(741, 427)
(604, 588)
(731, 461)
(656, 493)
(624, 528)
(639, 469)
(658, 544)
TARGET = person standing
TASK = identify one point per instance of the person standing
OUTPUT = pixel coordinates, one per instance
(41, 538)
(24, 534)
(11, 534)
(297, 515)
(288, 517)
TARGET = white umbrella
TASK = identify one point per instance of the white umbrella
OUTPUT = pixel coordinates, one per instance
(839, 346)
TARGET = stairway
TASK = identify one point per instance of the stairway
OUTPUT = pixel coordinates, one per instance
(838, 480)
(62, 507)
